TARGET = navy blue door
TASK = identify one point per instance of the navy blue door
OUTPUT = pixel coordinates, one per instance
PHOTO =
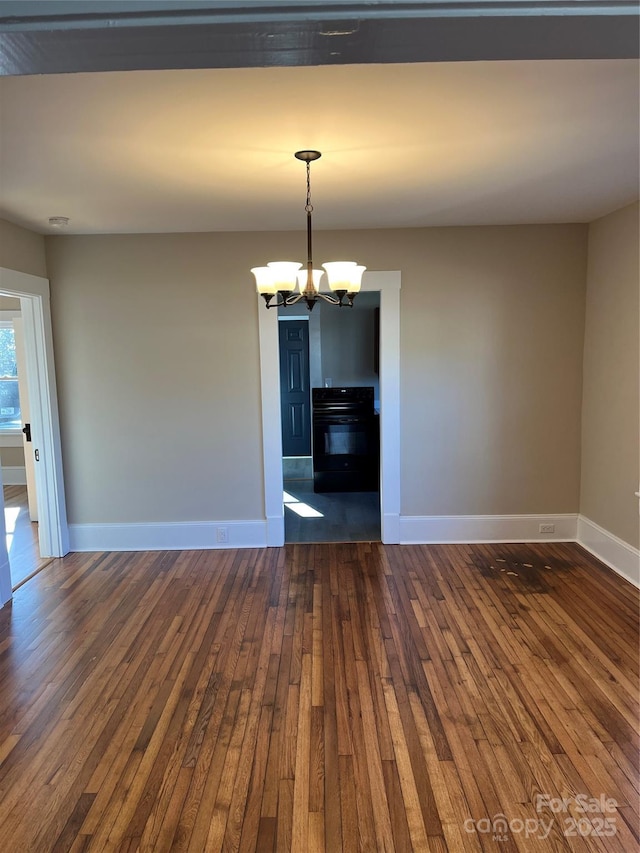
(295, 396)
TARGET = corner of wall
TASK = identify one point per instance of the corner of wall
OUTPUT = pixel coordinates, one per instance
(623, 558)
(608, 524)
(22, 250)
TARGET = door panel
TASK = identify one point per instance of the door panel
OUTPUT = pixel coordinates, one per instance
(295, 395)
(297, 425)
(295, 382)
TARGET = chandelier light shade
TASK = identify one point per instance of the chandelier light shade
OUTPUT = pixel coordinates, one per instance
(277, 281)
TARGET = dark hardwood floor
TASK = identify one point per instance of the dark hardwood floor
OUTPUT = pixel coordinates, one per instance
(321, 698)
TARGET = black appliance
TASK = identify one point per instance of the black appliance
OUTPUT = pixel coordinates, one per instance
(346, 440)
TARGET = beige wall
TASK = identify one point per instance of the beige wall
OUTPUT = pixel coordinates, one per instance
(11, 456)
(610, 416)
(157, 367)
(21, 249)
(157, 358)
(9, 303)
(492, 323)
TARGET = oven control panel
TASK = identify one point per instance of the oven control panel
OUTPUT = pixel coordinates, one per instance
(354, 394)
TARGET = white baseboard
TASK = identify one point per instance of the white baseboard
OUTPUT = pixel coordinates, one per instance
(14, 475)
(441, 529)
(614, 552)
(445, 529)
(172, 536)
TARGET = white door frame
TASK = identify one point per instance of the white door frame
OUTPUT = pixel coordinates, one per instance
(25, 415)
(388, 283)
(33, 292)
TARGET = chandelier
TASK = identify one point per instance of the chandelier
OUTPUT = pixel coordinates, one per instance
(280, 278)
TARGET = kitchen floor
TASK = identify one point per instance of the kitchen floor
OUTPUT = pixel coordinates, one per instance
(329, 516)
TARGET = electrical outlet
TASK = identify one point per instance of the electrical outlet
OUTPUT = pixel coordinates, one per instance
(547, 528)
(222, 534)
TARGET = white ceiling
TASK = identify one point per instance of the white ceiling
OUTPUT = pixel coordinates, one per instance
(458, 143)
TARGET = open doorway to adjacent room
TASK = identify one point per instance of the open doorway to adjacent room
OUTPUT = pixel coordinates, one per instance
(18, 475)
(330, 405)
(22, 551)
(387, 284)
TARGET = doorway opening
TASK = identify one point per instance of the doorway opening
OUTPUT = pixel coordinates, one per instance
(330, 403)
(44, 450)
(386, 502)
(18, 474)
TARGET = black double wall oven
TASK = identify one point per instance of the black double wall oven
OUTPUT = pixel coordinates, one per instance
(346, 440)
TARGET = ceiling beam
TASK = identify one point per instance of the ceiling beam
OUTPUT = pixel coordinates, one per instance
(61, 37)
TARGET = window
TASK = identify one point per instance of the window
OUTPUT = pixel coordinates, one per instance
(10, 419)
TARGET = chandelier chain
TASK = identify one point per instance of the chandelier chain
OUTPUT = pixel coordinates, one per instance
(308, 206)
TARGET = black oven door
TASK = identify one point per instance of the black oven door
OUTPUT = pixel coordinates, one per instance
(345, 453)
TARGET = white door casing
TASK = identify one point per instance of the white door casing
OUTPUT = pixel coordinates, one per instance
(25, 413)
(45, 428)
(388, 283)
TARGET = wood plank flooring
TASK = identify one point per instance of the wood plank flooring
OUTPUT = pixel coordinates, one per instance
(328, 697)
